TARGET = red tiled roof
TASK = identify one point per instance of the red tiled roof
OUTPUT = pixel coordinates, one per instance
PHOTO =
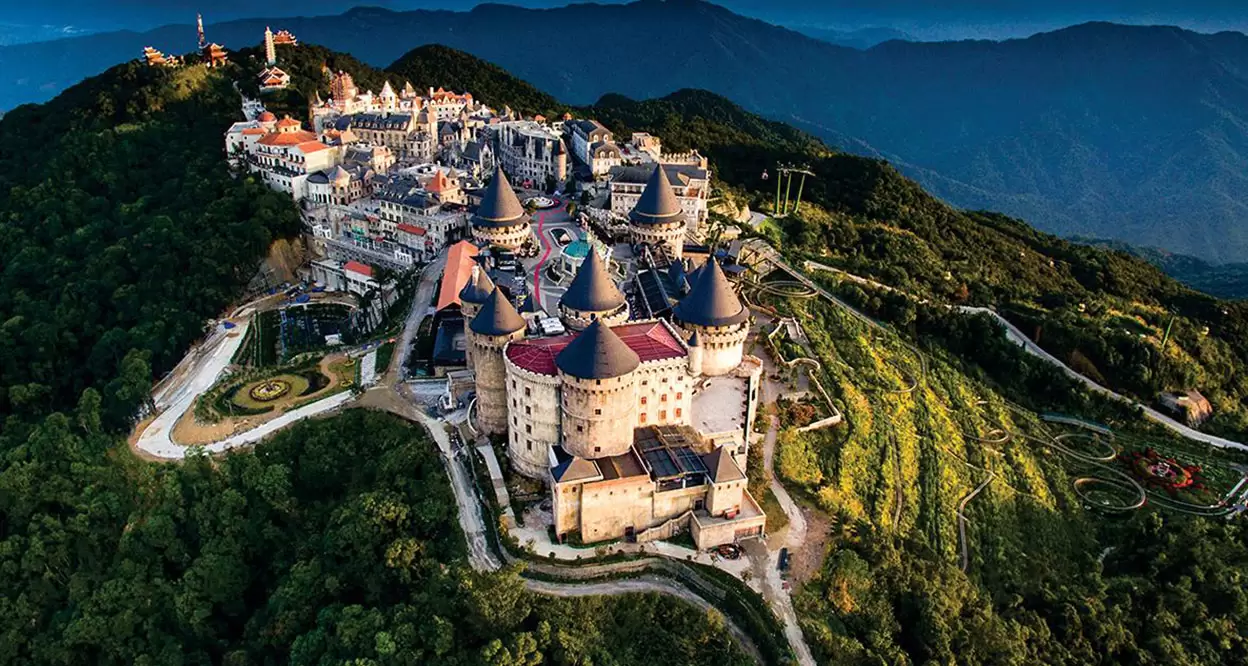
(650, 340)
(357, 267)
(411, 229)
(459, 263)
(288, 138)
(312, 147)
(254, 130)
(267, 117)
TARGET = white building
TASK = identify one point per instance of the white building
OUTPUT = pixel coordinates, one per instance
(692, 185)
(283, 157)
(530, 153)
(593, 145)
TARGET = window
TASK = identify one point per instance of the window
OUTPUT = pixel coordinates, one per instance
(598, 449)
(526, 391)
(528, 429)
(662, 414)
(528, 410)
(643, 399)
(677, 412)
(663, 398)
(597, 412)
(679, 395)
(642, 419)
(580, 428)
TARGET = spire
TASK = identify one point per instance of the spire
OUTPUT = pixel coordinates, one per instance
(499, 205)
(711, 301)
(658, 203)
(597, 353)
(479, 287)
(592, 289)
(497, 316)
(199, 26)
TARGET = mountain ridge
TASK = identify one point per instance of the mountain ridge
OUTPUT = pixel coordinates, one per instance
(1136, 133)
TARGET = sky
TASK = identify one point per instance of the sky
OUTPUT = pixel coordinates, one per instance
(924, 19)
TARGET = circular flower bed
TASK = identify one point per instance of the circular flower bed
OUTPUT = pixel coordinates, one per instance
(269, 390)
(1155, 471)
(541, 203)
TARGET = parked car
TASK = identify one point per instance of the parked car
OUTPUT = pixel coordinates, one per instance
(729, 551)
(562, 237)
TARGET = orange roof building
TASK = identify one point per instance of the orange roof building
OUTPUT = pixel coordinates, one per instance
(459, 263)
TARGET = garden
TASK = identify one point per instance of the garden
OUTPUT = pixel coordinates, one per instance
(251, 396)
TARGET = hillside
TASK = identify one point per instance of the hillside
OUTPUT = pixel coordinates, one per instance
(335, 542)
(1064, 129)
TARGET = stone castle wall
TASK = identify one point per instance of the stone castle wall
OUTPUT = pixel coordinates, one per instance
(535, 419)
(491, 375)
(598, 415)
(723, 347)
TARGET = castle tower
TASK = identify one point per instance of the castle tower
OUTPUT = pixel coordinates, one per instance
(496, 324)
(713, 312)
(474, 295)
(389, 100)
(599, 386)
(561, 161)
(695, 355)
(199, 27)
(500, 220)
(592, 295)
(270, 51)
(657, 218)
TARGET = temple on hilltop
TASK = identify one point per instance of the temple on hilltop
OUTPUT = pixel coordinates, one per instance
(640, 428)
(214, 55)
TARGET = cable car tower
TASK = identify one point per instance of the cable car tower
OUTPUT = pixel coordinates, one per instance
(785, 177)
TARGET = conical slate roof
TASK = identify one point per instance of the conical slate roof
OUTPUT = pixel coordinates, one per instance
(497, 316)
(721, 466)
(658, 203)
(592, 290)
(479, 287)
(499, 205)
(711, 301)
(597, 353)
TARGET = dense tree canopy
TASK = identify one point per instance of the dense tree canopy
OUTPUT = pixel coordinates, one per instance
(121, 234)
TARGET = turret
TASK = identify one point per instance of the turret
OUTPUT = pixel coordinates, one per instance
(561, 161)
(475, 293)
(500, 220)
(597, 371)
(713, 312)
(695, 354)
(657, 218)
(592, 295)
(495, 325)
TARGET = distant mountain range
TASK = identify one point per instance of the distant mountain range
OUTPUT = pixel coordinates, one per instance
(1136, 134)
(861, 38)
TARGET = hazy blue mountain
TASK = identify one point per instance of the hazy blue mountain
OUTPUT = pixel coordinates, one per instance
(1137, 134)
(859, 38)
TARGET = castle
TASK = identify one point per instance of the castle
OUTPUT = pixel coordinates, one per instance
(640, 428)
